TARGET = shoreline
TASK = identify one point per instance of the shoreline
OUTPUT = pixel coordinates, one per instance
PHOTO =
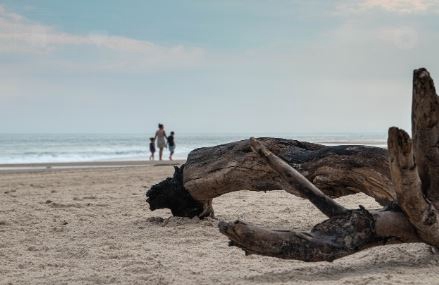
(50, 166)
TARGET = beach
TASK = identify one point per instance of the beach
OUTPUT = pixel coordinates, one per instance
(88, 223)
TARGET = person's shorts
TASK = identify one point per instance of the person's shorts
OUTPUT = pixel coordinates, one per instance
(172, 148)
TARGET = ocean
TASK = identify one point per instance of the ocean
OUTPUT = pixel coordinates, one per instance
(46, 148)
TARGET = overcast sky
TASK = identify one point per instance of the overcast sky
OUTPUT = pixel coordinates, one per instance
(212, 66)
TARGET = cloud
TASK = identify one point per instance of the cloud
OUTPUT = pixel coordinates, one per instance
(19, 35)
(366, 35)
(401, 37)
(393, 6)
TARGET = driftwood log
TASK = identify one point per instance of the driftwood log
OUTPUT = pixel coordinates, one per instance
(413, 217)
(405, 179)
(213, 171)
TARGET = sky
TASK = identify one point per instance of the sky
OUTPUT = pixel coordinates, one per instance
(232, 66)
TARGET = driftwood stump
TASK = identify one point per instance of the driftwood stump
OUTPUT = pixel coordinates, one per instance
(413, 217)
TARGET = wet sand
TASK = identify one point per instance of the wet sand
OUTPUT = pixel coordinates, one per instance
(90, 225)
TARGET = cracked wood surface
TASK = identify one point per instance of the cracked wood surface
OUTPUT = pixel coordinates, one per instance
(336, 170)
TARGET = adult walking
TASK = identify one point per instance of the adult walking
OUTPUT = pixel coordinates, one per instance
(160, 136)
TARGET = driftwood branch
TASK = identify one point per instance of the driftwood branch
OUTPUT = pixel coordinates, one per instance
(332, 239)
(336, 170)
(298, 182)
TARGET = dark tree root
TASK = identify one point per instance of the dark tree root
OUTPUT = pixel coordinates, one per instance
(171, 194)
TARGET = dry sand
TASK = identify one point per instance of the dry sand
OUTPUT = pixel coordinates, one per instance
(92, 226)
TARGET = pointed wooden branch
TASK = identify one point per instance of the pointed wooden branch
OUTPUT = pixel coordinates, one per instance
(425, 132)
(297, 182)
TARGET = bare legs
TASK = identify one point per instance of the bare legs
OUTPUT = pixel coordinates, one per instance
(161, 153)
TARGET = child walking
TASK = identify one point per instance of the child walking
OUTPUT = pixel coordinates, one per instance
(151, 148)
(171, 144)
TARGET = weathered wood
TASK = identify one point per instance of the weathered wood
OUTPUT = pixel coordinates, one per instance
(171, 194)
(421, 213)
(425, 132)
(334, 238)
(297, 182)
(329, 240)
(336, 170)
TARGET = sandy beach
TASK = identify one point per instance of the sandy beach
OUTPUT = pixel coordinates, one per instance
(90, 224)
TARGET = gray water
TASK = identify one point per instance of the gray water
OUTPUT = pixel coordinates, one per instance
(39, 148)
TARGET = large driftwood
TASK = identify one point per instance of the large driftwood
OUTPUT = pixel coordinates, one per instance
(213, 171)
(413, 218)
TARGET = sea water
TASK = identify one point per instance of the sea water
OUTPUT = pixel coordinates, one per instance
(43, 148)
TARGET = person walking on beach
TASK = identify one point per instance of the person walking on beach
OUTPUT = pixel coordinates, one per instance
(171, 144)
(160, 135)
(151, 148)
